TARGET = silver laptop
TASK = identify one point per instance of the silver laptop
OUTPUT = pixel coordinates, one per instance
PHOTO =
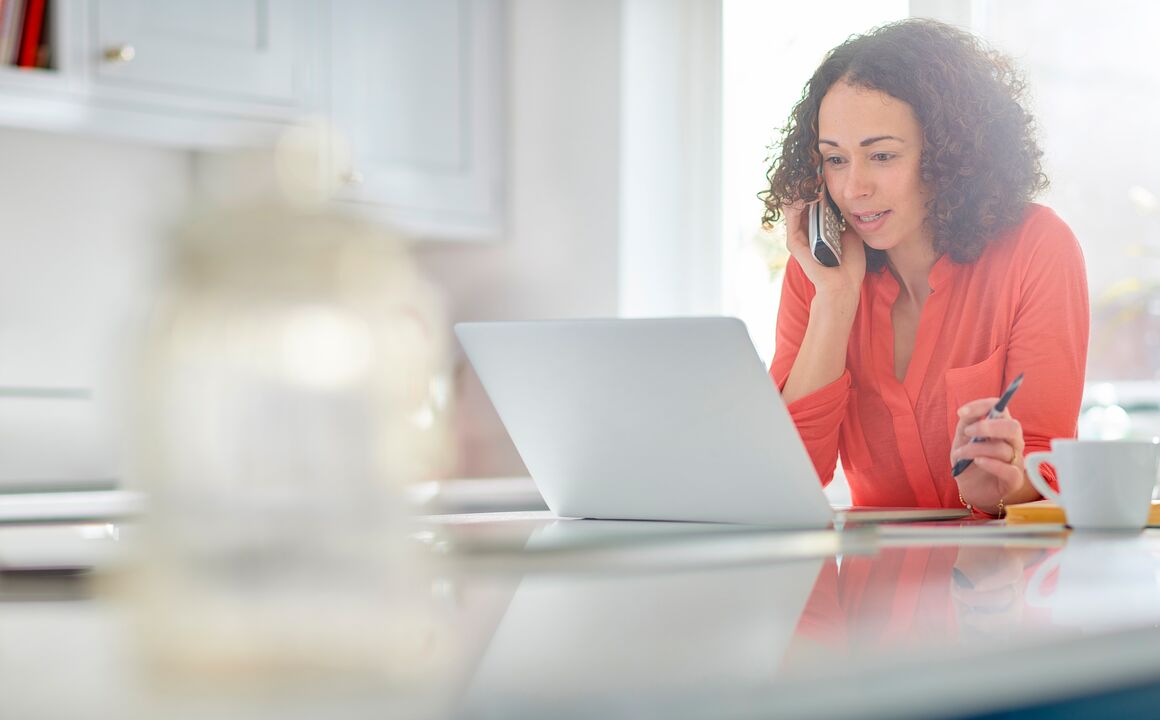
(652, 419)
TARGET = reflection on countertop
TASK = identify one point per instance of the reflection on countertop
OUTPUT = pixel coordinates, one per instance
(720, 611)
(577, 618)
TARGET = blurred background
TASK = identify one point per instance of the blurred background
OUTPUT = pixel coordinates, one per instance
(546, 158)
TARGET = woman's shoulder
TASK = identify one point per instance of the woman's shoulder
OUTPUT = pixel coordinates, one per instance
(1040, 232)
(1041, 251)
(1042, 226)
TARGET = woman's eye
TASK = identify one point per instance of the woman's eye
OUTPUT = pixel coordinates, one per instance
(834, 160)
(881, 157)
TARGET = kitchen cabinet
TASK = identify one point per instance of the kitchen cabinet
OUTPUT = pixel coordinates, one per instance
(416, 91)
(210, 74)
(252, 52)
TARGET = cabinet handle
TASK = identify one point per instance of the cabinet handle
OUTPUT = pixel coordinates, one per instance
(120, 53)
(352, 177)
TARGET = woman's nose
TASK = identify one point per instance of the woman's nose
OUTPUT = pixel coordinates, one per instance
(858, 183)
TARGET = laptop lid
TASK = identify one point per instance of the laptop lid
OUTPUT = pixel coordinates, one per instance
(650, 419)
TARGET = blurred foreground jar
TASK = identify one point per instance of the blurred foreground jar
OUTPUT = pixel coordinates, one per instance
(284, 402)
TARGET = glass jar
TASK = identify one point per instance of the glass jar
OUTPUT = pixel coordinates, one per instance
(283, 406)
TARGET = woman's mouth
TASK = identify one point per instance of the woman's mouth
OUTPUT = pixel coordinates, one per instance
(867, 222)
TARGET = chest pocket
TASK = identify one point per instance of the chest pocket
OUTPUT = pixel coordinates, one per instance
(983, 379)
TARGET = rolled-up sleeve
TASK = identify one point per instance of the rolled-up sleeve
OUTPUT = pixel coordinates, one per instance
(817, 416)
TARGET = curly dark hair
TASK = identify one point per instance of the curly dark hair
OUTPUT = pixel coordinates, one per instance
(980, 158)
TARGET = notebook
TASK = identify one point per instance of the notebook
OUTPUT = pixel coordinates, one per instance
(653, 419)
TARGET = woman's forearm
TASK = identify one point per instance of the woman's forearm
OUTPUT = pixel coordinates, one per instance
(821, 359)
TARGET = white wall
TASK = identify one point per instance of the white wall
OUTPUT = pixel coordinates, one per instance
(80, 225)
(559, 255)
(83, 223)
(670, 212)
(84, 220)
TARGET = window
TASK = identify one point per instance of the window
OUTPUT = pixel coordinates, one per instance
(1095, 90)
(769, 50)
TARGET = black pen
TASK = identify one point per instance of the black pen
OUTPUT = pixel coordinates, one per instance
(996, 411)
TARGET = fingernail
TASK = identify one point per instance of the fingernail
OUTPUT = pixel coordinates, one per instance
(962, 411)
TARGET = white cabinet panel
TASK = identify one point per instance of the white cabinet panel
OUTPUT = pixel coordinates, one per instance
(402, 55)
(416, 89)
(246, 50)
(262, 52)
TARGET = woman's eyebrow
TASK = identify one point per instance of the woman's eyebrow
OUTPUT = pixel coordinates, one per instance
(865, 143)
(877, 138)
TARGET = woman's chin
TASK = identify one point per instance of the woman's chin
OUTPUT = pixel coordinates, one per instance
(879, 241)
(874, 243)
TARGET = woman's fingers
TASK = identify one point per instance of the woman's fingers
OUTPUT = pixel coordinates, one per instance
(996, 449)
(969, 414)
(1002, 428)
(843, 282)
(1010, 475)
(796, 241)
(976, 409)
(974, 423)
(995, 445)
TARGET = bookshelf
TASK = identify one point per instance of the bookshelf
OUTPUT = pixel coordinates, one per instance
(26, 39)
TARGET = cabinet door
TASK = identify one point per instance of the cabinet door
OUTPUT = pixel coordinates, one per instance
(416, 91)
(225, 50)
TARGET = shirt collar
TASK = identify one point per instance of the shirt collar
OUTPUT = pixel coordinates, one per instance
(940, 275)
(942, 272)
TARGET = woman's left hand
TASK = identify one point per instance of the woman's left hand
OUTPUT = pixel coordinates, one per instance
(997, 471)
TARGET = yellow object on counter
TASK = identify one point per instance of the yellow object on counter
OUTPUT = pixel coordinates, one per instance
(1045, 511)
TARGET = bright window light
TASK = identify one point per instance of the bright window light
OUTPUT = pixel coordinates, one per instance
(769, 50)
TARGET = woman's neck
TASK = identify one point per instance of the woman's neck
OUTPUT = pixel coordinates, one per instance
(911, 263)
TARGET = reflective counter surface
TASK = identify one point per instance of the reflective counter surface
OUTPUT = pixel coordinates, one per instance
(922, 620)
(574, 618)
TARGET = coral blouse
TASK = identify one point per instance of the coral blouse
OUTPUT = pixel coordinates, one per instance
(1021, 307)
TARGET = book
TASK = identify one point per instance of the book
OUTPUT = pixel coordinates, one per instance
(30, 36)
(1045, 511)
(11, 24)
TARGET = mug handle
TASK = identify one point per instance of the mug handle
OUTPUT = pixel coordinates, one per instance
(1032, 462)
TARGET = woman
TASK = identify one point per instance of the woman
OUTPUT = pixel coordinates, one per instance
(951, 282)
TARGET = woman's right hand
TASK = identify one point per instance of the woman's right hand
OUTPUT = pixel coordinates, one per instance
(842, 284)
(821, 357)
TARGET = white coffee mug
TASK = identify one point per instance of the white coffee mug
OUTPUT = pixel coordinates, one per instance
(1104, 484)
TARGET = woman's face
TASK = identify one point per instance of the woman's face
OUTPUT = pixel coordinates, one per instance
(871, 147)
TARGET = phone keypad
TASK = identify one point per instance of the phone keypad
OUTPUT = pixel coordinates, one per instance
(832, 231)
